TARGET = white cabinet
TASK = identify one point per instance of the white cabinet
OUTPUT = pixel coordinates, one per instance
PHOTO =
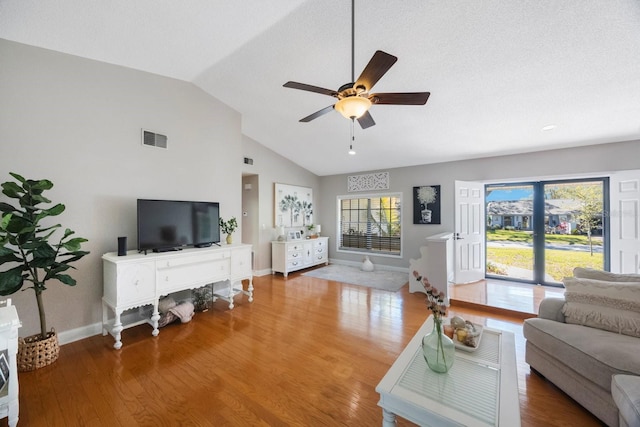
(299, 254)
(137, 283)
(9, 324)
(138, 280)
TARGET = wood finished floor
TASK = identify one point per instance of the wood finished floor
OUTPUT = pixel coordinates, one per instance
(518, 299)
(306, 352)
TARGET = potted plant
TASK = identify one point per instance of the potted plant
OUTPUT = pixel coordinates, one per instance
(25, 246)
(311, 235)
(228, 227)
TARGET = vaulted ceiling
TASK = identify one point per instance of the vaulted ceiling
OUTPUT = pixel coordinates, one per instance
(499, 72)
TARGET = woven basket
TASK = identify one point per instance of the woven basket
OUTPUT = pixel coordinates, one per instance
(34, 352)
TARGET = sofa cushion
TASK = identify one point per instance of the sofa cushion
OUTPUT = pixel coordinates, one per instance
(590, 273)
(593, 353)
(612, 306)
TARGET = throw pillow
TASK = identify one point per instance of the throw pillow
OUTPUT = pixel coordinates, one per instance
(590, 273)
(611, 306)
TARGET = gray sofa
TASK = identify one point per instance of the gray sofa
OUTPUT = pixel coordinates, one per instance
(580, 360)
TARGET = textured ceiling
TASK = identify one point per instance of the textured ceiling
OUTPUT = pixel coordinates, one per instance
(498, 71)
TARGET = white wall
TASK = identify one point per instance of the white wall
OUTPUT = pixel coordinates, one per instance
(595, 160)
(77, 123)
(272, 168)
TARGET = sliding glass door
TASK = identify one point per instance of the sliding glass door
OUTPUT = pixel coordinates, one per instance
(574, 234)
(539, 232)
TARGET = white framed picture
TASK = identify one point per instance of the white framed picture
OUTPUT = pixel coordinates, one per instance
(293, 206)
(294, 235)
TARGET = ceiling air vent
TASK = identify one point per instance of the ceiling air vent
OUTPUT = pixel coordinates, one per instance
(153, 139)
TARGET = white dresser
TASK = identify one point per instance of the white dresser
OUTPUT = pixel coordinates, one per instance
(9, 324)
(138, 280)
(295, 255)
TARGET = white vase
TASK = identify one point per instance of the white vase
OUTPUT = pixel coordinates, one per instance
(367, 265)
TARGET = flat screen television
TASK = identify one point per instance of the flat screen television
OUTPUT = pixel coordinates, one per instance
(165, 225)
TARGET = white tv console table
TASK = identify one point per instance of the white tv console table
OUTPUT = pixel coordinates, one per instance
(136, 280)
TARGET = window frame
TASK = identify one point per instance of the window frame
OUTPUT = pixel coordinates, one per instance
(364, 251)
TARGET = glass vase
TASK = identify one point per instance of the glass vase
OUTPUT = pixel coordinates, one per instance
(438, 349)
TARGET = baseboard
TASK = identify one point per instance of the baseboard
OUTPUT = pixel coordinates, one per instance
(375, 266)
(66, 337)
(264, 272)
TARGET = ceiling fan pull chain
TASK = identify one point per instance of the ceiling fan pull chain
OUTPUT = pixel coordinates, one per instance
(353, 138)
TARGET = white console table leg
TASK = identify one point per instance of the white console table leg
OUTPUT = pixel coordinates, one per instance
(231, 294)
(117, 329)
(250, 289)
(155, 317)
(105, 319)
(388, 419)
(13, 413)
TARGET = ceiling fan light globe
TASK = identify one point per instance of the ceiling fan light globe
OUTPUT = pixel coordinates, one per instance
(353, 107)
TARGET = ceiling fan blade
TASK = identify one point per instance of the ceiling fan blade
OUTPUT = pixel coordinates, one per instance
(310, 88)
(375, 69)
(408, 98)
(317, 114)
(366, 121)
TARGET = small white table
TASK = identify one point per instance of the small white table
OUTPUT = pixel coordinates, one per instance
(9, 324)
(480, 389)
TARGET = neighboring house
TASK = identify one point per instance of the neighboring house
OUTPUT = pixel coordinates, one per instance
(517, 214)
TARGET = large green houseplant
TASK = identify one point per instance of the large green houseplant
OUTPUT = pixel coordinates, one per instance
(25, 243)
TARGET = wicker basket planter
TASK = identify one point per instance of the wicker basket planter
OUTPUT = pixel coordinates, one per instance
(34, 353)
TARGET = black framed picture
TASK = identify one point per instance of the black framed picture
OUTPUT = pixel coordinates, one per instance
(426, 204)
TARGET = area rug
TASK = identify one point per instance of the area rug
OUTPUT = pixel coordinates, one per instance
(386, 280)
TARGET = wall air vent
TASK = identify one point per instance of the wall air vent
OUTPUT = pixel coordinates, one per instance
(153, 139)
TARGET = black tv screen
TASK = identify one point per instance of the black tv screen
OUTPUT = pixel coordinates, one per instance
(171, 224)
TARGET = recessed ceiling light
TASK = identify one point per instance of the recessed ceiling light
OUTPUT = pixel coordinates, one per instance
(548, 128)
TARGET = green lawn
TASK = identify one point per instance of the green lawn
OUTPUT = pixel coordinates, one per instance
(559, 263)
(527, 237)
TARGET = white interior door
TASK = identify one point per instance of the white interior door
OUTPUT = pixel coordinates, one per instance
(469, 232)
(625, 221)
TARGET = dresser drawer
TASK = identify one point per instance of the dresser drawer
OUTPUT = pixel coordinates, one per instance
(191, 275)
(320, 243)
(297, 255)
(293, 247)
(182, 261)
(295, 264)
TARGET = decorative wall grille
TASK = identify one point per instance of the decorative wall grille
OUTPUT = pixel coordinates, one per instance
(368, 182)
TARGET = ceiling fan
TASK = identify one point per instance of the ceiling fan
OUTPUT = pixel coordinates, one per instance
(355, 99)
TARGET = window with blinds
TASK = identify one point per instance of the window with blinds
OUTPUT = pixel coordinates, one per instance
(371, 223)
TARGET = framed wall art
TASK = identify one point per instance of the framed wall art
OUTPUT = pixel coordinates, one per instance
(293, 205)
(426, 204)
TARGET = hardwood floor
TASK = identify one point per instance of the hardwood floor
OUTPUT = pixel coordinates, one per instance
(519, 300)
(306, 352)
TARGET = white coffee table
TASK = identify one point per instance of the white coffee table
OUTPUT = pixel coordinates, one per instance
(480, 389)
